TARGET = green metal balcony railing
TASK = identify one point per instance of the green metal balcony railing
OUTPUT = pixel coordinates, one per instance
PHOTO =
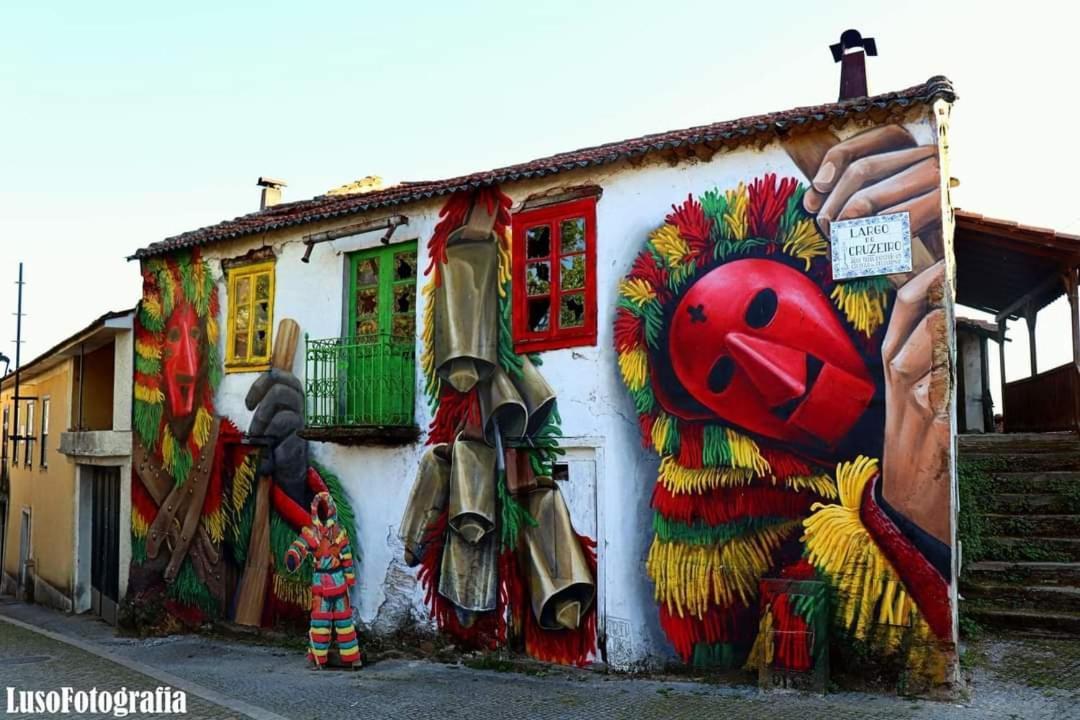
(366, 380)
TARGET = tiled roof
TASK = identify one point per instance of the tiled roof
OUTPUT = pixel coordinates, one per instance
(326, 207)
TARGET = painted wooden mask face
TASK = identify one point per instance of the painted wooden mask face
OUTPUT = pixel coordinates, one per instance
(180, 359)
(759, 344)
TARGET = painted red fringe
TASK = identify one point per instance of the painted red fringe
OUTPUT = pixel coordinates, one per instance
(645, 422)
(141, 500)
(453, 215)
(228, 434)
(566, 647)
(785, 465)
(488, 632)
(454, 409)
(792, 647)
(735, 624)
(647, 268)
(768, 200)
(724, 505)
(691, 439)
(629, 331)
(694, 226)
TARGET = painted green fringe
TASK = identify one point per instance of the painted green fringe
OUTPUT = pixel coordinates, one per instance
(281, 537)
(188, 590)
(544, 447)
(721, 656)
(715, 450)
(510, 361)
(652, 314)
(147, 419)
(181, 464)
(241, 530)
(512, 515)
(345, 515)
(699, 533)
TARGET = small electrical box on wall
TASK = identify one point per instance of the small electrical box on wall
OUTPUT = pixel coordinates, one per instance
(794, 632)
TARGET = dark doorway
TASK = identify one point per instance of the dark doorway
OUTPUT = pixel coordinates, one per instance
(105, 542)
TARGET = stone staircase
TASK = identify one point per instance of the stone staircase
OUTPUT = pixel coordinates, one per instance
(1028, 573)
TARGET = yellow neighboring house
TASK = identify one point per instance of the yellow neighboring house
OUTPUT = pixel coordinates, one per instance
(65, 478)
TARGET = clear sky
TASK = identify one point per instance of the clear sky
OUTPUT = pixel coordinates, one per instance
(126, 122)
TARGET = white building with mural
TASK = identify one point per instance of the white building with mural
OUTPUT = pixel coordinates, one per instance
(729, 412)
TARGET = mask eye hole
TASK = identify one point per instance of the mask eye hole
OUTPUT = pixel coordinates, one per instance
(720, 375)
(762, 308)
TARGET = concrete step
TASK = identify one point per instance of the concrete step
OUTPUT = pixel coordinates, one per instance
(1012, 549)
(1021, 573)
(1024, 462)
(1052, 598)
(1061, 482)
(1032, 526)
(1021, 619)
(1019, 442)
(1032, 503)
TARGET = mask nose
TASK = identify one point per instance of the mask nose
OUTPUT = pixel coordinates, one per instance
(186, 354)
(777, 372)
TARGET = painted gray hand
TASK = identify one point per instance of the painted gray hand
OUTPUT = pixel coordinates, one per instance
(277, 397)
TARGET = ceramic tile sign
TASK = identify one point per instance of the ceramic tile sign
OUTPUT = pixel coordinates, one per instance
(876, 245)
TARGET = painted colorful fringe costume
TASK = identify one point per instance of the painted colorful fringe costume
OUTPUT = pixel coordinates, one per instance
(729, 510)
(497, 554)
(328, 544)
(194, 465)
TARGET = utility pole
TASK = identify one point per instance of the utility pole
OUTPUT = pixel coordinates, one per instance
(18, 364)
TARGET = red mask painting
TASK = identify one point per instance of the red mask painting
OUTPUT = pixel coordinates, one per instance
(181, 359)
(759, 344)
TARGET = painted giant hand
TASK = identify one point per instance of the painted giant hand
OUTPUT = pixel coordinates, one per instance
(772, 395)
(208, 533)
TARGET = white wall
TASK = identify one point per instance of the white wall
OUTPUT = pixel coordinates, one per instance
(592, 399)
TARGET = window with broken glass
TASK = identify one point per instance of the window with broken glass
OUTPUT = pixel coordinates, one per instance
(251, 317)
(367, 377)
(554, 276)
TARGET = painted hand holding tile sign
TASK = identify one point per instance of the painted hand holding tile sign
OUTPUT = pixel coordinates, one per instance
(801, 422)
(498, 556)
(208, 534)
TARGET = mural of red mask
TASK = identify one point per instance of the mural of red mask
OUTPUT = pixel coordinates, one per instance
(180, 359)
(759, 344)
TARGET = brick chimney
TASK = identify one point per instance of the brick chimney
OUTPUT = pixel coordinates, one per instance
(271, 191)
(851, 53)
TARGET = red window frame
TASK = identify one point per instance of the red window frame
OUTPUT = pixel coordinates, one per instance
(554, 337)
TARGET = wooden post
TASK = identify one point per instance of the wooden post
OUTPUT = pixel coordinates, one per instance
(249, 602)
(1072, 290)
(1001, 366)
(1030, 316)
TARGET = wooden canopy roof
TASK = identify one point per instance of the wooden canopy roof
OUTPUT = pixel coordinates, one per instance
(1001, 265)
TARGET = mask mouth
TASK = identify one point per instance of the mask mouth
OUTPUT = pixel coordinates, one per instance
(785, 410)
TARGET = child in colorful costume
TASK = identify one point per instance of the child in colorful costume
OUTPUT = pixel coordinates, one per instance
(328, 544)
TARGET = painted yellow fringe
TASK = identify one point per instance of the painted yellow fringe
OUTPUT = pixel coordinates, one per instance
(634, 366)
(204, 422)
(805, 242)
(667, 241)
(864, 310)
(637, 291)
(148, 351)
(745, 453)
(681, 480)
(735, 217)
(291, 591)
(243, 480)
(838, 545)
(689, 578)
(504, 244)
(761, 653)
(427, 357)
(139, 525)
(148, 395)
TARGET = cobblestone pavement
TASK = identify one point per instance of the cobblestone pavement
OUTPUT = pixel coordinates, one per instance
(1011, 678)
(30, 661)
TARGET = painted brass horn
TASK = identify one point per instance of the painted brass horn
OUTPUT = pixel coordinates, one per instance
(561, 584)
(469, 576)
(467, 313)
(500, 404)
(472, 490)
(427, 501)
(539, 397)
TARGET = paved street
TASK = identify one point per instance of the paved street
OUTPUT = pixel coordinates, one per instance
(1012, 678)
